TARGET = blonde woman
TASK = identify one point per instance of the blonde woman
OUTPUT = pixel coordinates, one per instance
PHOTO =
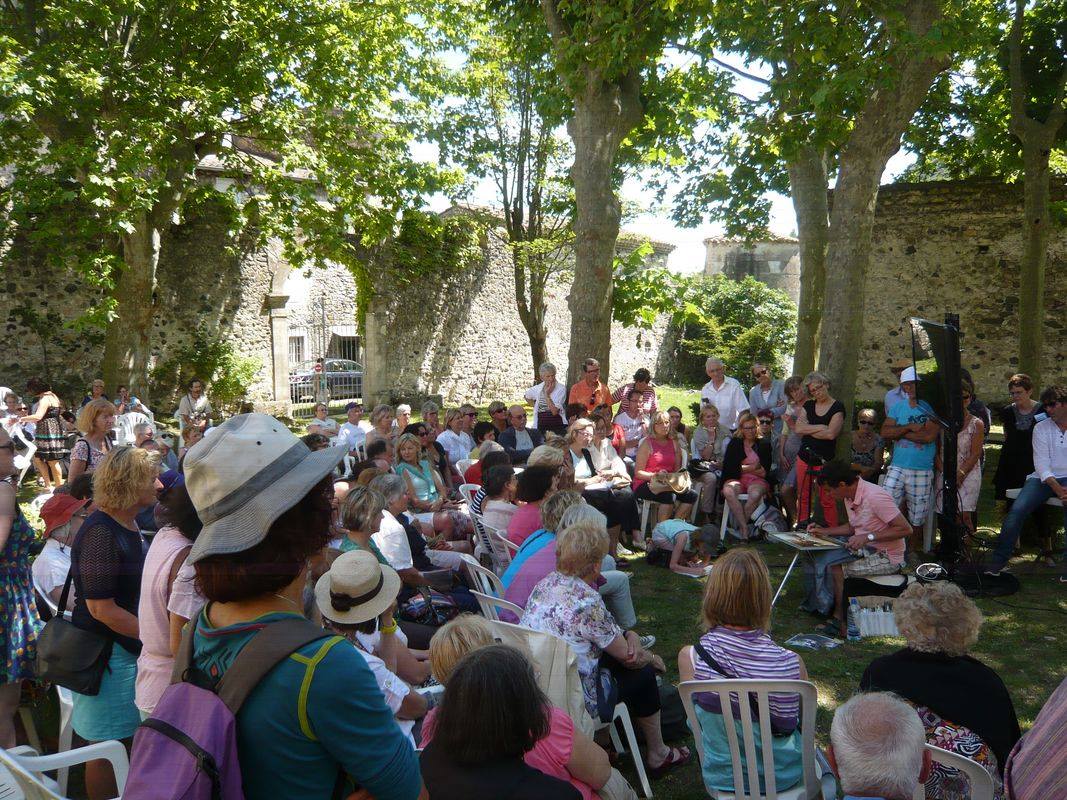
(107, 560)
(597, 484)
(456, 441)
(706, 447)
(426, 491)
(566, 604)
(381, 420)
(868, 448)
(661, 454)
(737, 644)
(963, 704)
(95, 421)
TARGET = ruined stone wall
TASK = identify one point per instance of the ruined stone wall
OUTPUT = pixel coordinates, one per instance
(463, 339)
(774, 262)
(955, 247)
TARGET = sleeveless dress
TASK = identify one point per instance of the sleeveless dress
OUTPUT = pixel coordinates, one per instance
(19, 622)
(50, 438)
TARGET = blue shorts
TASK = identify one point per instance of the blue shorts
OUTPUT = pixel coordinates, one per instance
(110, 714)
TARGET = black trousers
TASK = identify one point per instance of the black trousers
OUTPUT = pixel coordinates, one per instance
(637, 687)
(618, 505)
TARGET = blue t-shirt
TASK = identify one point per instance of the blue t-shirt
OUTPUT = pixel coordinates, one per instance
(908, 454)
(670, 528)
(347, 723)
(534, 542)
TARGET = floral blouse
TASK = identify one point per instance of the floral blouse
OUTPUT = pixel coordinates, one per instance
(571, 609)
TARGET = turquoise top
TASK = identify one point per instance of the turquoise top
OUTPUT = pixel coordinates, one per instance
(908, 454)
(347, 545)
(421, 479)
(718, 770)
(347, 724)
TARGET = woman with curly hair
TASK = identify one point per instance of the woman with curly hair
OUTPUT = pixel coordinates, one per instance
(963, 704)
(95, 421)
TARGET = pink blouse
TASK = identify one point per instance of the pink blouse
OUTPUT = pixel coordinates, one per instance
(662, 457)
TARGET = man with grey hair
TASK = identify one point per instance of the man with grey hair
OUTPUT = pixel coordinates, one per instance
(518, 440)
(877, 748)
(723, 392)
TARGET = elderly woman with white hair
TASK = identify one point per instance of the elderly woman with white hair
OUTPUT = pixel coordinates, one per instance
(549, 399)
(613, 666)
(963, 705)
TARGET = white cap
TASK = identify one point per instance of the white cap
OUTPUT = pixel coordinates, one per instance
(908, 375)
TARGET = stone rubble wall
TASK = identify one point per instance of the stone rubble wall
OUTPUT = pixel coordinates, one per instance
(955, 247)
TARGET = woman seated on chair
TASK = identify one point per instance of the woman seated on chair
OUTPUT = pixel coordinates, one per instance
(564, 752)
(381, 420)
(706, 448)
(746, 469)
(737, 646)
(322, 423)
(567, 604)
(534, 485)
(599, 483)
(426, 490)
(500, 486)
(963, 704)
(660, 454)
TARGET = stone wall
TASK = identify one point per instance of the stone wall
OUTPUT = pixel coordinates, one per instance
(463, 340)
(205, 280)
(954, 247)
(775, 262)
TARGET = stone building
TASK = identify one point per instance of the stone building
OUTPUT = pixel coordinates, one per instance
(938, 247)
(773, 261)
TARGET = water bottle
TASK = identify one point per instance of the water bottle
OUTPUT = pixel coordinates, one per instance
(853, 620)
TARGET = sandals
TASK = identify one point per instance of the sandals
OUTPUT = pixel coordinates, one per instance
(830, 628)
(676, 757)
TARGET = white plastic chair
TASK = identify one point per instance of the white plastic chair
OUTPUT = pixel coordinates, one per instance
(809, 786)
(23, 460)
(461, 468)
(467, 492)
(27, 768)
(485, 580)
(981, 782)
(492, 605)
(491, 543)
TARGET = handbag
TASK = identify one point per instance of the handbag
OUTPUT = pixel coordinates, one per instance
(677, 482)
(70, 656)
(428, 608)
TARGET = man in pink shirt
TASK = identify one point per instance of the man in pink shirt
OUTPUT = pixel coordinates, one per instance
(874, 523)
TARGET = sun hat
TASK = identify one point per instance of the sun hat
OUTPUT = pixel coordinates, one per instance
(246, 475)
(356, 588)
(908, 375)
(59, 510)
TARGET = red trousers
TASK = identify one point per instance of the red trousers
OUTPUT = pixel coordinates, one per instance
(829, 506)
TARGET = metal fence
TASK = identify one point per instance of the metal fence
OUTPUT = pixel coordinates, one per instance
(339, 351)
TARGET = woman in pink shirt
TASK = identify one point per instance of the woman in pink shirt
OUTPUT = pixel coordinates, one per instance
(659, 454)
(534, 485)
(169, 597)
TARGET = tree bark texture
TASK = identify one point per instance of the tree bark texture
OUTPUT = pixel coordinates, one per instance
(808, 189)
(128, 341)
(1037, 139)
(530, 301)
(874, 139)
(604, 113)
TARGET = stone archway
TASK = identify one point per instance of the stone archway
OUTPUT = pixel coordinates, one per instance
(274, 306)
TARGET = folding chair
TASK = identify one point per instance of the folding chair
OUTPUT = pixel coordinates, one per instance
(485, 580)
(468, 490)
(747, 770)
(24, 460)
(981, 781)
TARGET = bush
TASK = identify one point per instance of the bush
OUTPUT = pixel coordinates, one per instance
(213, 360)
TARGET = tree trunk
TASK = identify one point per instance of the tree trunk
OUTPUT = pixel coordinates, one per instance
(530, 301)
(808, 188)
(874, 139)
(1032, 265)
(1037, 139)
(128, 341)
(604, 113)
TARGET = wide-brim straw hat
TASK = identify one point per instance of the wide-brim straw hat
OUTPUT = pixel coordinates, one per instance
(246, 475)
(364, 586)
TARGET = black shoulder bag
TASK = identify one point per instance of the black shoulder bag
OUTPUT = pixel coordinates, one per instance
(70, 656)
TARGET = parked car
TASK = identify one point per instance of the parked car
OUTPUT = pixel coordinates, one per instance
(344, 379)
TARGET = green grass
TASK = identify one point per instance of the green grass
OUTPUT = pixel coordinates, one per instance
(1023, 637)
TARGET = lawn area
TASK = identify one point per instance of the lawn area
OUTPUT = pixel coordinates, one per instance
(1023, 637)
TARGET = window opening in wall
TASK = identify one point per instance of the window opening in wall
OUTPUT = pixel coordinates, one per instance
(297, 349)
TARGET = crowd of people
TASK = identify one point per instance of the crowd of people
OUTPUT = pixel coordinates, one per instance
(189, 555)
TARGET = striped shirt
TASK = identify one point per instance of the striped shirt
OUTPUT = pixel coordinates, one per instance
(1037, 767)
(749, 654)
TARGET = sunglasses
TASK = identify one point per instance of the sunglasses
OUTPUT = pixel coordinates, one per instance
(471, 414)
(761, 373)
(766, 422)
(866, 422)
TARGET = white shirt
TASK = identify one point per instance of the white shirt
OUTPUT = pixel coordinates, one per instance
(353, 436)
(557, 395)
(729, 399)
(50, 569)
(392, 540)
(894, 396)
(393, 689)
(457, 446)
(1050, 451)
(632, 429)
